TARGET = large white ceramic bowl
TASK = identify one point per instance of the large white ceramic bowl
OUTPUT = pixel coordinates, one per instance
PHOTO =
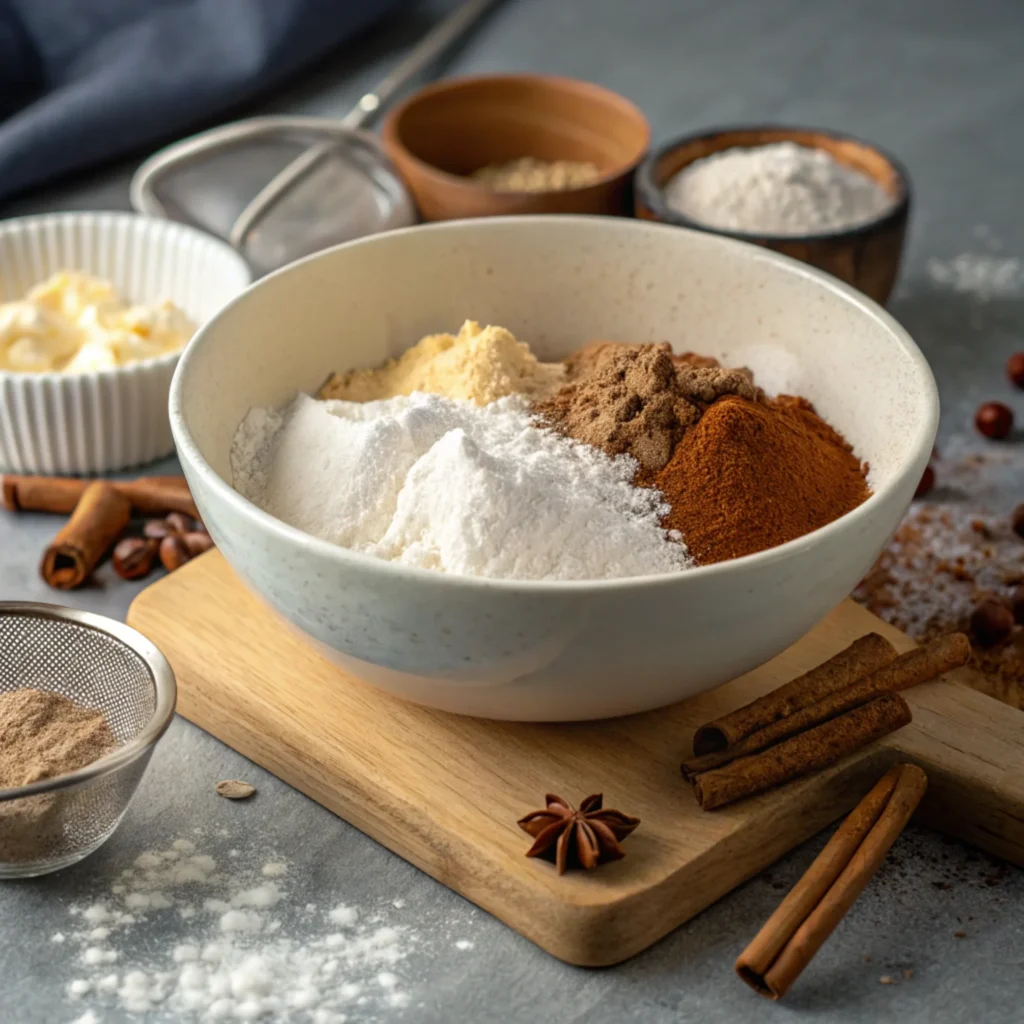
(109, 419)
(546, 650)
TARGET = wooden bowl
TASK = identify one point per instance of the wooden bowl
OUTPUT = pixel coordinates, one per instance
(446, 131)
(867, 256)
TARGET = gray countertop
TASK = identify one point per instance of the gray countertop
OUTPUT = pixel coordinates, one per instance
(939, 84)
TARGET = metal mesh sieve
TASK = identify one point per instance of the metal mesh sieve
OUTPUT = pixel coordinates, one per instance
(97, 663)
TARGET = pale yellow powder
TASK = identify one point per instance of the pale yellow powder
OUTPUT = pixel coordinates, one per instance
(481, 364)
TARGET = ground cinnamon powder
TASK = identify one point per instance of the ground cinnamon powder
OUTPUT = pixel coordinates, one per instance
(754, 474)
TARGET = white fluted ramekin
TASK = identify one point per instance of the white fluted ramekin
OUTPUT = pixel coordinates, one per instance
(105, 420)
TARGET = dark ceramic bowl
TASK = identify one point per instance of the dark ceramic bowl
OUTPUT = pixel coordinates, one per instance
(866, 256)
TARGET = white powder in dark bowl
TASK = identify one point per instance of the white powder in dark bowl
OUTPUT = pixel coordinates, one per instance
(780, 189)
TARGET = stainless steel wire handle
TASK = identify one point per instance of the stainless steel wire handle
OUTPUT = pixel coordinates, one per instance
(429, 49)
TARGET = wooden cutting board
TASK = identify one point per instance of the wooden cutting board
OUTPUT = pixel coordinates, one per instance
(445, 792)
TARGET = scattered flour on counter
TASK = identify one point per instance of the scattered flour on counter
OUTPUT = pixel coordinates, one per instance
(234, 958)
(344, 915)
(444, 484)
(981, 275)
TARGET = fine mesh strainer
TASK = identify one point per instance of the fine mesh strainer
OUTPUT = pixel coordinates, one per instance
(279, 188)
(97, 663)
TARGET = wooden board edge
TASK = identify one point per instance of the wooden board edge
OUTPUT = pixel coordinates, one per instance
(597, 934)
(971, 747)
(577, 937)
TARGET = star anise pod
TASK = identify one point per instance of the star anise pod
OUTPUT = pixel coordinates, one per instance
(587, 837)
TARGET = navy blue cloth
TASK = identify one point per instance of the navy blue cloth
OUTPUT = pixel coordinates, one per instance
(82, 81)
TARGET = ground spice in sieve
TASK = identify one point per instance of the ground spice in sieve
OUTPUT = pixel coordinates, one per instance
(42, 735)
(752, 475)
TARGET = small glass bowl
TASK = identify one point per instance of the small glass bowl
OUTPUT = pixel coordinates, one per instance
(98, 663)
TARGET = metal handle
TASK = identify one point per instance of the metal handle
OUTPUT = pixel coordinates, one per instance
(433, 44)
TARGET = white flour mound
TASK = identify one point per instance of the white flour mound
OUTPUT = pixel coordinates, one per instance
(444, 484)
(777, 189)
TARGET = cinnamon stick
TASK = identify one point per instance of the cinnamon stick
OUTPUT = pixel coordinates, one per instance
(99, 518)
(810, 751)
(920, 665)
(816, 904)
(151, 495)
(865, 655)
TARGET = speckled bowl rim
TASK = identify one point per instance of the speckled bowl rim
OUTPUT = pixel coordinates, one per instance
(390, 135)
(167, 359)
(652, 195)
(189, 453)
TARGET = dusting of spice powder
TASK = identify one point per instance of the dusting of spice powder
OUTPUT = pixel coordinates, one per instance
(954, 553)
(637, 400)
(754, 474)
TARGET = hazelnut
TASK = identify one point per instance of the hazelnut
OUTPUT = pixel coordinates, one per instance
(1015, 368)
(178, 522)
(1017, 521)
(133, 557)
(1017, 605)
(991, 622)
(926, 483)
(993, 419)
(156, 528)
(197, 542)
(173, 552)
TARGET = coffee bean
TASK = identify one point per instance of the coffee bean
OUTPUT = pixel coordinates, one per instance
(173, 552)
(926, 483)
(156, 529)
(133, 557)
(1017, 604)
(1017, 521)
(178, 522)
(1015, 368)
(993, 419)
(991, 622)
(197, 542)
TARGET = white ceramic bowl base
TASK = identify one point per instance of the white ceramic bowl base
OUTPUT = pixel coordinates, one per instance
(543, 650)
(99, 422)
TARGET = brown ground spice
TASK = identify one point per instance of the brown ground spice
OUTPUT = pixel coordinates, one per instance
(752, 475)
(637, 400)
(42, 735)
(596, 355)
